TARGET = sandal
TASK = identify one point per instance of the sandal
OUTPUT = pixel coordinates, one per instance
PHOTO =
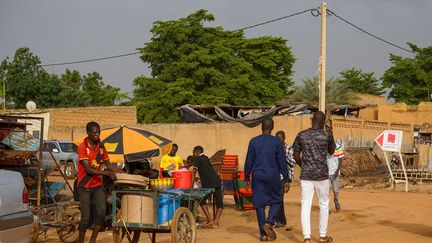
(325, 239)
(307, 240)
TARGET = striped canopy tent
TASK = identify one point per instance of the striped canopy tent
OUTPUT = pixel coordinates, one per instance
(132, 144)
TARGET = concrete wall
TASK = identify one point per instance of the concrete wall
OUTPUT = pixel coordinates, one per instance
(369, 99)
(362, 133)
(234, 137)
(69, 123)
(400, 112)
(369, 113)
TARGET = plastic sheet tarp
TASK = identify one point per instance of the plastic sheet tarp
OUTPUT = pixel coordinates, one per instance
(21, 140)
(189, 115)
(253, 119)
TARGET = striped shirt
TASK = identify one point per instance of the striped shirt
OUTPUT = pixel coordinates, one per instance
(289, 154)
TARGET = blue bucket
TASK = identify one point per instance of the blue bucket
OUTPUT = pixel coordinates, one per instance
(168, 204)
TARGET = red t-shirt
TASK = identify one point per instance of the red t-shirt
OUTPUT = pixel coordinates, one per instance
(96, 157)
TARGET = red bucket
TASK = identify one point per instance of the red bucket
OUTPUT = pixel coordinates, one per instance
(183, 179)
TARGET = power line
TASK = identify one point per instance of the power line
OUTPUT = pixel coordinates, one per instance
(137, 52)
(275, 20)
(91, 60)
(370, 34)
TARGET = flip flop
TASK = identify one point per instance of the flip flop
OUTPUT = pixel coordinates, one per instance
(212, 227)
(207, 224)
(325, 239)
(268, 229)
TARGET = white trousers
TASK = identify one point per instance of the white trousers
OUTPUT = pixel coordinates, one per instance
(307, 192)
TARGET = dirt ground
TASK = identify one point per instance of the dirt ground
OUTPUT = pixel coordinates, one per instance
(368, 215)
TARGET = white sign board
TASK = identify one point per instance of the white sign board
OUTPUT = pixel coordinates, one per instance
(390, 140)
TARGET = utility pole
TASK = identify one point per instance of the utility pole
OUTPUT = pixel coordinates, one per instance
(4, 96)
(322, 74)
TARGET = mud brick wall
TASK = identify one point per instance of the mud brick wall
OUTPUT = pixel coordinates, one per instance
(69, 123)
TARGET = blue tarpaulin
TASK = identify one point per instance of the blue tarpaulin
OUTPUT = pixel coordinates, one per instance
(21, 140)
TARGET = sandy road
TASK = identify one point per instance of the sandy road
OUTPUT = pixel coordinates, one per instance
(367, 216)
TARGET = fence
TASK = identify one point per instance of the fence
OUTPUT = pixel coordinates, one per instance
(362, 133)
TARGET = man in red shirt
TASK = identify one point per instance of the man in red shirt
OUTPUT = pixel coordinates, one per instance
(93, 158)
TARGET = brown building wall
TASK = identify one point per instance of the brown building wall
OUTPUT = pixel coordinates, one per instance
(69, 123)
(369, 113)
(234, 137)
(369, 99)
(400, 112)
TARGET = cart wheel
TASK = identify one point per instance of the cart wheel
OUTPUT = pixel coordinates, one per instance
(68, 232)
(34, 233)
(120, 235)
(183, 227)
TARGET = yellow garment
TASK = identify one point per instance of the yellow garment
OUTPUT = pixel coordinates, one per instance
(167, 160)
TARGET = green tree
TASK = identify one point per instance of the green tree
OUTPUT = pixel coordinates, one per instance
(97, 93)
(336, 92)
(410, 78)
(26, 80)
(72, 94)
(191, 63)
(361, 82)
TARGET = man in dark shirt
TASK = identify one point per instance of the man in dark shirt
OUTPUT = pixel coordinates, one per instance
(313, 145)
(209, 179)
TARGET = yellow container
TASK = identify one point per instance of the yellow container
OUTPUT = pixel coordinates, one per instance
(162, 183)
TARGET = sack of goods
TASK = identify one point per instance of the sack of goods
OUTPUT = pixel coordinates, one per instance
(131, 180)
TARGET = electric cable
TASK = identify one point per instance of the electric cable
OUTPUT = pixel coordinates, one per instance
(137, 52)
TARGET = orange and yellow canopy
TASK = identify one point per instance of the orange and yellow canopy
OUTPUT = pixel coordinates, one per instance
(132, 144)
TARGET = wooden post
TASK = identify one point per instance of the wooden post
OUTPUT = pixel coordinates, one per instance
(322, 81)
(390, 170)
(404, 171)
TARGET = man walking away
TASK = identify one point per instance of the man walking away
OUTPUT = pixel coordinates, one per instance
(334, 164)
(289, 154)
(313, 145)
(266, 161)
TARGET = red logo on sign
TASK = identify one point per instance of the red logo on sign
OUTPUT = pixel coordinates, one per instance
(391, 138)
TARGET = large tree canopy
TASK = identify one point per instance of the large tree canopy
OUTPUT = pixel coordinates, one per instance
(192, 63)
(26, 80)
(410, 78)
(361, 82)
(336, 92)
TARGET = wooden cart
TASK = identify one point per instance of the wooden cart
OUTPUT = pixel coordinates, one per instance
(64, 216)
(182, 226)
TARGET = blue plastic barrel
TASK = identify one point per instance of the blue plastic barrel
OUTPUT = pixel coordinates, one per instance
(168, 204)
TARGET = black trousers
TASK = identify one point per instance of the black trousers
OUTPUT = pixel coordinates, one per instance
(88, 197)
(272, 214)
(281, 219)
